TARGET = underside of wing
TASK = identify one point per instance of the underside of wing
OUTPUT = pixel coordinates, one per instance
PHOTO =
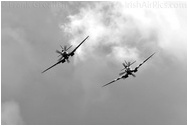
(113, 81)
(61, 61)
(135, 70)
(72, 53)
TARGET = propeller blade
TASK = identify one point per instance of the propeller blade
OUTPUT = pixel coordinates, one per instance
(126, 62)
(132, 63)
(65, 48)
(122, 73)
(60, 58)
(61, 47)
(57, 51)
(124, 65)
(123, 69)
(69, 47)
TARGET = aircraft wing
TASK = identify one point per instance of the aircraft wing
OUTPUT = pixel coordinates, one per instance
(72, 53)
(135, 70)
(61, 61)
(112, 81)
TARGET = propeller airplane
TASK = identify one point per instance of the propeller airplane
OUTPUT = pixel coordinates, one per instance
(128, 71)
(64, 54)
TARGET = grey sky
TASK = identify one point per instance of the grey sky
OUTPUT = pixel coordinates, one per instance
(71, 93)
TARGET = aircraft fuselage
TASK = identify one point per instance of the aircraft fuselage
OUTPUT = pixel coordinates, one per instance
(65, 55)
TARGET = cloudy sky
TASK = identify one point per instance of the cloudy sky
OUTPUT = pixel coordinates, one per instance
(72, 93)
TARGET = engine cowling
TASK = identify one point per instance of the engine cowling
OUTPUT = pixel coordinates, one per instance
(63, 61)
(72, 54)
(135, 70)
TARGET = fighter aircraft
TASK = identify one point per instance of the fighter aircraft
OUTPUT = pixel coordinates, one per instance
(128, 71)
(65, 55)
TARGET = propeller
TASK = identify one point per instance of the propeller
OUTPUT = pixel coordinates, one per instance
(57, 51)
(127, 64)
(60, 58)
(132, 63)
(61, 47)
(64, 48)
(124, 65)
(122, 73)
(69, 47)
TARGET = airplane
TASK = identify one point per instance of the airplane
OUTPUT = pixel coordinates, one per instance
(65, 55)
(128, 71)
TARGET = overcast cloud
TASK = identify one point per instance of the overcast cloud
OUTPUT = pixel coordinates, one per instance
(72, 93)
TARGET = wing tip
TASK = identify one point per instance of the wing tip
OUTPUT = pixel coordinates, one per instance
(104, 85)
(43, 71)
(153, 53)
